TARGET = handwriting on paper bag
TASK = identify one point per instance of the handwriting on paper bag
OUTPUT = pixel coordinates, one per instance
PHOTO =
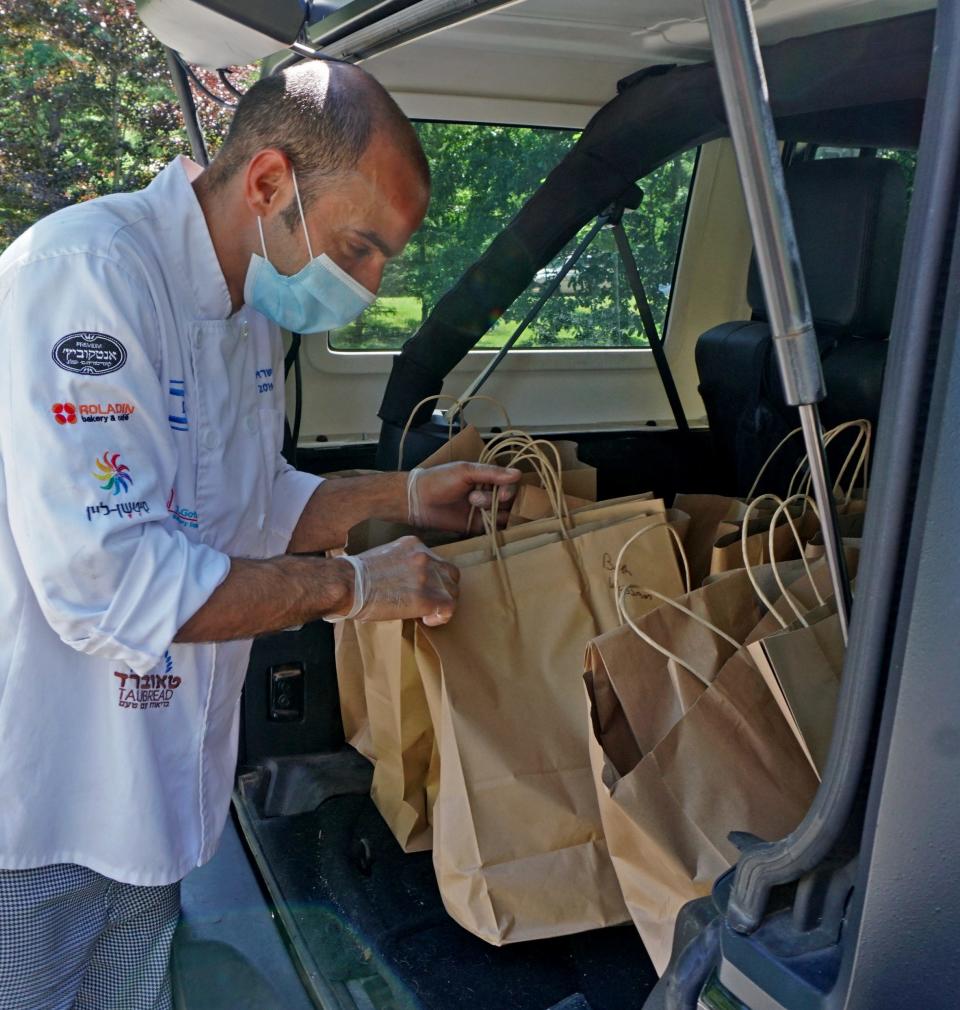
(610, 566)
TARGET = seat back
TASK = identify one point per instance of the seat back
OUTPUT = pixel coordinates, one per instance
(849, 215)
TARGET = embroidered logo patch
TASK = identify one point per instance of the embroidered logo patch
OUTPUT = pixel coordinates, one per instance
(88, 353)
(123, 508)
(148, 690)
(183, 516)
(114, 475)
(64, 413)
(92, 413)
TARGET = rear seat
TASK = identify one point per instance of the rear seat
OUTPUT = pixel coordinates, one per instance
(850, 215)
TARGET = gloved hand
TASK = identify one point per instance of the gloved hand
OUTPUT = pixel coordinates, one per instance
(441, 497)
(402, 580)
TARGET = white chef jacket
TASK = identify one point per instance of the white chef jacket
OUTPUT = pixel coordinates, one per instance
(140, 435)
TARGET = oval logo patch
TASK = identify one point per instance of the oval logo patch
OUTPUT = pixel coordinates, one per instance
(89, 353)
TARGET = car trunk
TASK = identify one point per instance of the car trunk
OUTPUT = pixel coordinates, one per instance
(364, 920)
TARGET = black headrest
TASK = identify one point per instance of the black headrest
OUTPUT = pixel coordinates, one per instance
(849, 215)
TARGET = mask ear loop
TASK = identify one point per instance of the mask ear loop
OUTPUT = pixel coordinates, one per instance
(263, 244)
(303, 217)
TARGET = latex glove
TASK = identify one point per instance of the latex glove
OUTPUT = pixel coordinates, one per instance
(442, 497)
(402, 579)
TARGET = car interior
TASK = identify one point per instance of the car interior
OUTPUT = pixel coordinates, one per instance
(630, 90)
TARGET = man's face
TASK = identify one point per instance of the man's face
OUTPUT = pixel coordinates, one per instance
(361, 219)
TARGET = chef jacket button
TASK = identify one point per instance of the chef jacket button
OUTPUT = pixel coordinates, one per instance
(250, 423)
(210, 440)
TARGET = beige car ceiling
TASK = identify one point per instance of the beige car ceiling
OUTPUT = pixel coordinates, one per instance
(554, 62)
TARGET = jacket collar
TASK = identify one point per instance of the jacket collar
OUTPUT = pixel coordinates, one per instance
(187, 246)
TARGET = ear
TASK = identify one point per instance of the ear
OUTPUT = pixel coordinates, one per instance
(268, 182)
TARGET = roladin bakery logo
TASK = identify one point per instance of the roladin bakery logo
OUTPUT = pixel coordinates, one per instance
(91, 413)
(89, 353)
(64, 413)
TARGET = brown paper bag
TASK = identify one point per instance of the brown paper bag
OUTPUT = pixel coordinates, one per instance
(682, 758)
(730, 763)
(713, 517)
(849, 526)
(353, 701)
(464, 447)
(802, 667)
(707, 512)
(381, 695)
(533, 502)
(716, 522)
(604, 513)
(381, 701)
(400, 729)
(518, 847)
(728, 548)
(577, 478)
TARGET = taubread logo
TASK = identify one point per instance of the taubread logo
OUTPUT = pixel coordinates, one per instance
(148, 690)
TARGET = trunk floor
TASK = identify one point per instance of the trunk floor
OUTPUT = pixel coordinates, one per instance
(371, 917)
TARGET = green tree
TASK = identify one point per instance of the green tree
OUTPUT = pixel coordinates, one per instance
(597, 308)
(482, 175)
(86, 106)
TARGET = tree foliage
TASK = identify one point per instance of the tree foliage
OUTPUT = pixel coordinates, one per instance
(482, 176)
(86, 106)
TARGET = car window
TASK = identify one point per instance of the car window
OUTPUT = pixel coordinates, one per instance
(482, 175)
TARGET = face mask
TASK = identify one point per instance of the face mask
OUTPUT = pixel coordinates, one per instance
(319, 297)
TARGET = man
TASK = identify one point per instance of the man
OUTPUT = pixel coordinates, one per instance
(149, 527)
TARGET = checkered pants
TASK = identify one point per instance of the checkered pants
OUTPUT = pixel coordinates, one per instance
(71, 939)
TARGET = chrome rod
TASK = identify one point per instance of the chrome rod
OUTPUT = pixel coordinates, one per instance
(737, 57)
(823, 495)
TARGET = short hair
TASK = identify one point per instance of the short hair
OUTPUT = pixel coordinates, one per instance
(322, 114)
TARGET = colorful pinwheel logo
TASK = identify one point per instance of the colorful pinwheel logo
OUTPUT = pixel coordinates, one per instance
(113, 475)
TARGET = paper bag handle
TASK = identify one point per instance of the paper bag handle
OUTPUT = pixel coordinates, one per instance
(525, 447)
(763, 469)
(863, 428)
(801, 484)
(532, 450)
(456, 409)
(517, 445)
(783, 507)
(863, 464)
(617, 593)
(662, 649)
(828, 437)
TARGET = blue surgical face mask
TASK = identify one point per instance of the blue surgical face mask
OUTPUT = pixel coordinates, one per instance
(319, 297)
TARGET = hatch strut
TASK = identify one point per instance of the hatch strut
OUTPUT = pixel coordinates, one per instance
(736, 53)
(612, 216)
(181, 85)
